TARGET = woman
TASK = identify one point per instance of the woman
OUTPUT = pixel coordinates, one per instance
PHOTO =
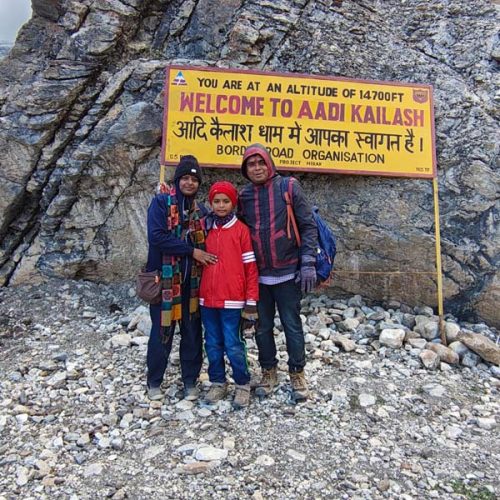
(176, 248)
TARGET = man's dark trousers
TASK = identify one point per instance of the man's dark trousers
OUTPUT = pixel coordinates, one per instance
(286, 296)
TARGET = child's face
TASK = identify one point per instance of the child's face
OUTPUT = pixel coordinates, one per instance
(221, 205)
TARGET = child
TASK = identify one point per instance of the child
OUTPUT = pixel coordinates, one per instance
(227, 287)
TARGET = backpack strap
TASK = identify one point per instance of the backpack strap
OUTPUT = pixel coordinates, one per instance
(287, 192)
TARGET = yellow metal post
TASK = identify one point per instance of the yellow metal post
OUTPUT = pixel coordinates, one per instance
(162, 173)
(438, 261)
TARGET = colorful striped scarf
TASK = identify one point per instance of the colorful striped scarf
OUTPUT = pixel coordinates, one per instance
(171, 272)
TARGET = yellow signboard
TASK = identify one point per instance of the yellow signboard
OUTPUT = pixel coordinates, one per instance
(308, 123)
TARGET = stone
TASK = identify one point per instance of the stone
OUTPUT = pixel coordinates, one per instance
(152, 452)
(445, 354)
(488, 423)
(121, 340)
(470, 359)
(392, 337)
(57, 380)
(210, 453)
(355, 301)
(94, 469)
(228, 443)
(344, 342)
(451, 331)
(427, 327)
(376, 316)
(418, 343)
(482, 346)
(435, 390)
(139, 341)
(144, 325)
(184, 405)
(453, 432)
(193, 468)
(348, 325)
(265, 460)
(459, 348)
(424, 311)
(324, 333)
(366, 400)
(429, 359)
(296, 455)
(22, 476)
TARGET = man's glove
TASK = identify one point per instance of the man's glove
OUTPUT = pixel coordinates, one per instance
(249, 317)
(307, 274)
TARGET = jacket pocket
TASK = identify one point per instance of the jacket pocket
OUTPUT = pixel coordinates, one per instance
(285, 251)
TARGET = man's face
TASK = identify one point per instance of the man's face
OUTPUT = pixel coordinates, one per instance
(257, 169)
(189, 184)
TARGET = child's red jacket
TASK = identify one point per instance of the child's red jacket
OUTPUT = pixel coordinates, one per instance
(233, 281)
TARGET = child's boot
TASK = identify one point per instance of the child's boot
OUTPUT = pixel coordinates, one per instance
(216, 392)
(267, 383)
(300, 392)
(241, 397)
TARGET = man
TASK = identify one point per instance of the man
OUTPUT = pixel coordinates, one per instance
(285, 269)
(176, 242)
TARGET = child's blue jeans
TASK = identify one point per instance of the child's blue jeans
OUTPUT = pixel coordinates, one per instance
(222, 334)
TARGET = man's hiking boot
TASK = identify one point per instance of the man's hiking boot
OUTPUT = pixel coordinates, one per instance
(155, 393)
(216, 392)
(241, 397)
(300, 391)
(267, 383)
(191, 393)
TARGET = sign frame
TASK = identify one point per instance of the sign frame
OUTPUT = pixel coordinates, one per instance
(167, 140)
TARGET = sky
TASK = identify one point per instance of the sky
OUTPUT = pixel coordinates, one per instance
(13, 14)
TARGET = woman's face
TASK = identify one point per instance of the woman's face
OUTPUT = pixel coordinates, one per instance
(189, 184)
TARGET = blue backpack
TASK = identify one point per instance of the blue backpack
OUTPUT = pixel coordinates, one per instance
(326, 239)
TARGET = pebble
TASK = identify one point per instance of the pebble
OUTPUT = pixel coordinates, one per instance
(296, 455)
(367, 400)
(265, 460)
(210, 453)
(193, 468)
(93, 470)
(486, 423)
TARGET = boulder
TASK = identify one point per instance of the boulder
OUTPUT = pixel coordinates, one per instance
(392, 337)
(445, 354)
(481, 345)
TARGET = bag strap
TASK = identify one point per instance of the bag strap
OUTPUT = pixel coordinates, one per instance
(290, 216)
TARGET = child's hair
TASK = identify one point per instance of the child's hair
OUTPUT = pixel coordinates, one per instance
(223, 187)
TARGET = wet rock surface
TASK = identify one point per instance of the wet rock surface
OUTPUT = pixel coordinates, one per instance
(75, 421)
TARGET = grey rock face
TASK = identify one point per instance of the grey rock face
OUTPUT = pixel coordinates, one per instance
(81, 116)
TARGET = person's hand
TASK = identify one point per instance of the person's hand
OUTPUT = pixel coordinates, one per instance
(307, 275)
(203, 257)
(249, 317)
(162, 187)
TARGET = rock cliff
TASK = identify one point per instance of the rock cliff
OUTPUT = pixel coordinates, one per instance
(81, 117)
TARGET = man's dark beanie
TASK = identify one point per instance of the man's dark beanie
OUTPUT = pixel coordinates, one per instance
(188, 166)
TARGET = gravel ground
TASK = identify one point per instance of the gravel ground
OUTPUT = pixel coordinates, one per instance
(75, 421)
